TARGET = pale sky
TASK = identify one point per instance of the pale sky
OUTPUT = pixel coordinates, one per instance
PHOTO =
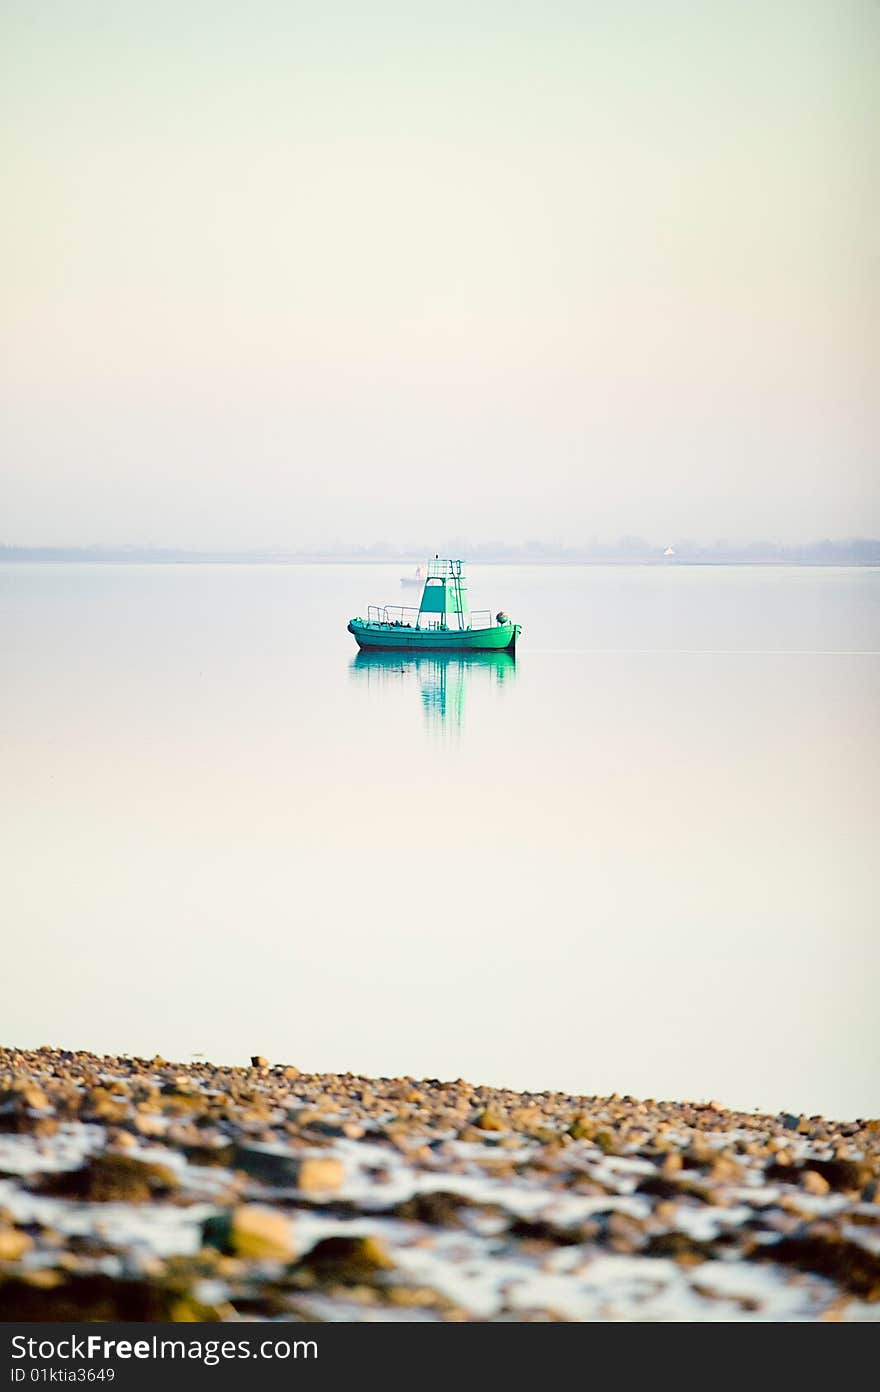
(304, 274)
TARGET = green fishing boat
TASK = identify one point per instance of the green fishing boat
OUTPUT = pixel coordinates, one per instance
(442, 622)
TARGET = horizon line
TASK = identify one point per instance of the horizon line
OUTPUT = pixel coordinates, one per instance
(853, 551)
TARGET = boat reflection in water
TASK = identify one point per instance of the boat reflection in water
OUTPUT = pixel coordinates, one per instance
(443, 677)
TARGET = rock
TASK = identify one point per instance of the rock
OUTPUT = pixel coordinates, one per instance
(346, 1261)
(682, 1248)
(14, 1244)
(438, 1207)
(206, 1154)
(525, 1119)
(416, 1297)
(100, 1105)
(662, 1187)
(547, 1136)
(623, 1234)
(606, 1141)
(250, 1231)
(318, 1173)
(148, 1124)
(23, 1122)
(583, 1128)
(542, 1231)
(290, 1072)
(90, 1297)
(826, 1253)
(846, 1175)
(698, 1155)
(789, 1121)
(110, 1178)
(266, 1164)
(178, 1103)
(725, 1170)
(18, 1103)
(814, 1183)
(31, 1095)
(490, 1119)
(269, 1165)
(121, 1140)
(257, 1061)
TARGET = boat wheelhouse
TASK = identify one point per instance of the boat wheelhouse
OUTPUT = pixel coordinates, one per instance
(442, 622)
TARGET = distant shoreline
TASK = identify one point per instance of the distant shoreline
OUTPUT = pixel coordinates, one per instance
(21, 555)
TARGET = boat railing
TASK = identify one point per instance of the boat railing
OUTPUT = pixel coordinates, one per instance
(403, 614)
(407, 616)
(442, 570)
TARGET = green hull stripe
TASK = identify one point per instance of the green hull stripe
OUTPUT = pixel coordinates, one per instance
(475, 640)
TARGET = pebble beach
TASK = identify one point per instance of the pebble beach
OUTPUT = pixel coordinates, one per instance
(143, 1189)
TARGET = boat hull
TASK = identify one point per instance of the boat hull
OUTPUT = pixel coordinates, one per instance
(398, 637)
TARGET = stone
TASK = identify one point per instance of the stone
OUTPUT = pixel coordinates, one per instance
(121, 1140)
(148, 1124)
(320, 1173)
(14, 1244)
(814, 1183)
(490, 1119)
(725, 1170)
(681, 1247)
(21, 1121)
(544, 1232)
(112, 1178)
(826, 1253)
(582, 1128)
(31, 1095)
(346, 1261)
(95, 1296)
(436, 1207)
(267, 1164)
(257, 1061)
(623, 1234)
(662, 1187)
(285, 1169)
(525, 1118)
(250, 1231)
(18, 1103)
(845, 1175)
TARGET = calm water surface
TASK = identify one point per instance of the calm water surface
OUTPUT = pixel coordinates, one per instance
(641, 858)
